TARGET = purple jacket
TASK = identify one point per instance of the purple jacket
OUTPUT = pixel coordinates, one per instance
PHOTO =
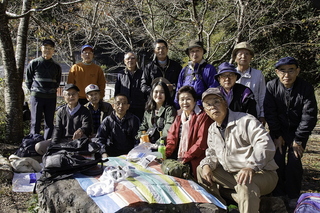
(201, 77)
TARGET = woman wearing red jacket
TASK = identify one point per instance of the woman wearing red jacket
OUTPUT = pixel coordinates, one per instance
(187, 137)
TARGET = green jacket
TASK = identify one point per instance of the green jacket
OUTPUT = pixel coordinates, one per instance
(163, 120)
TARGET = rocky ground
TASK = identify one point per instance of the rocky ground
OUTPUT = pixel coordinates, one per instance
(26, 202)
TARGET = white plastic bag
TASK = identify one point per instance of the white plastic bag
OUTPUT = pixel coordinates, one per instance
(145, 161)
(138, 152)
(24, 182)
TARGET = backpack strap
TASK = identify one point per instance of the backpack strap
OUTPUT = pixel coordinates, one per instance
(193, 73)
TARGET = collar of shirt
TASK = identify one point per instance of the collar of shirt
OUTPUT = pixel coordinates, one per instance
(74, 110)
(246, 73)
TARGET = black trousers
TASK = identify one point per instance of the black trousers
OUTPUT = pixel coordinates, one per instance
(290, 173)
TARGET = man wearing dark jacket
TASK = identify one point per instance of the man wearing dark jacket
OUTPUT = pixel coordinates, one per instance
(161, 66)
(291, 113)
(73, 121)
(117, 132)
(98, 108)
(129, 83)
(43, 77)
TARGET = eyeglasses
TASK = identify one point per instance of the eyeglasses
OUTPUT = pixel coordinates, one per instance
(284, 72)
(71, 94)
(212, 103)
(225, 76)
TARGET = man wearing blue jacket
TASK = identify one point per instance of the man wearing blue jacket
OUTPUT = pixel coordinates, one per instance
(198, 73)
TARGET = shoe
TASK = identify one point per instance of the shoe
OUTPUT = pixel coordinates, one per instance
(292, 203)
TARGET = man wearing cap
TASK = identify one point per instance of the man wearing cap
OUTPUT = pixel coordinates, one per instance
(129, 83)
(242, 54)
(291, 113)
(98, 108)
(43, 76)
(239, 158)
(239, 97)
(160, 66)
(73, 121)
(86, 72)
(198, 73)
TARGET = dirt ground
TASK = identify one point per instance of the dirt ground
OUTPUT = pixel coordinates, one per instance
(26, 202)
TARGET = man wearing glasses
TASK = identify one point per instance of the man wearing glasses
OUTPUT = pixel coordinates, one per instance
(87, 72)
(239, 97)
(291, 114)
(117, 132)
(239, 162)
(43, 77)
(73, 121)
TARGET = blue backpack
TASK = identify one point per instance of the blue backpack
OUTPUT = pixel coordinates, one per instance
(308, 203)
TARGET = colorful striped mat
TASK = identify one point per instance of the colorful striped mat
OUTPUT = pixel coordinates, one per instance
(148, 185)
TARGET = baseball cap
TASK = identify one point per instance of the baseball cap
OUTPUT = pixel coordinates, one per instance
(48, 42)
(91, 87)
(86, 46)
(212, 91)
(226, 67)
(70, 86)
(286, 61)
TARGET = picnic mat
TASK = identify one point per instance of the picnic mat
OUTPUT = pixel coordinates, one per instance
(147, 185)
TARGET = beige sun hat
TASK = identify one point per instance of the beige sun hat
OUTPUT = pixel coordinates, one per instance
(242, 45)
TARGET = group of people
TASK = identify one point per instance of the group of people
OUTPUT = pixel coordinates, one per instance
(212, 120)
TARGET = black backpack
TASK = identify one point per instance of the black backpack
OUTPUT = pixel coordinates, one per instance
(64, 159)
(27, 146)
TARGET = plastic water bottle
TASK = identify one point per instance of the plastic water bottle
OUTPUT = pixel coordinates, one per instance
(162, 149)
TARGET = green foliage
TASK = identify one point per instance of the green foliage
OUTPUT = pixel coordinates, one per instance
(275, 28)
(33, 205)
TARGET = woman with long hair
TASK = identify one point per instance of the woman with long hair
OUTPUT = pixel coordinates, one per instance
(159, 113)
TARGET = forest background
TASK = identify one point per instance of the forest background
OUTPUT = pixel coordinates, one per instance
(275, 28)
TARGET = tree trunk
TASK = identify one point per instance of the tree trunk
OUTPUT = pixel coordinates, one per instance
(12, 82)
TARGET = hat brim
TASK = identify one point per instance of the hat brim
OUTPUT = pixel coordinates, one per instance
(187, 50)
(217, 75)
(96, 90)
(234, 52)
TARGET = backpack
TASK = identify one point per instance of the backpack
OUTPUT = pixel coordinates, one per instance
(27, 146)
(63, 160)
(175, 168)
(308, 203)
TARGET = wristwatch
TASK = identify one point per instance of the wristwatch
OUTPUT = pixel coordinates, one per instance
(298, 142)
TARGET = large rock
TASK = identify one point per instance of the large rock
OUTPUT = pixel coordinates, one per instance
(64, 196)
(67, 196)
